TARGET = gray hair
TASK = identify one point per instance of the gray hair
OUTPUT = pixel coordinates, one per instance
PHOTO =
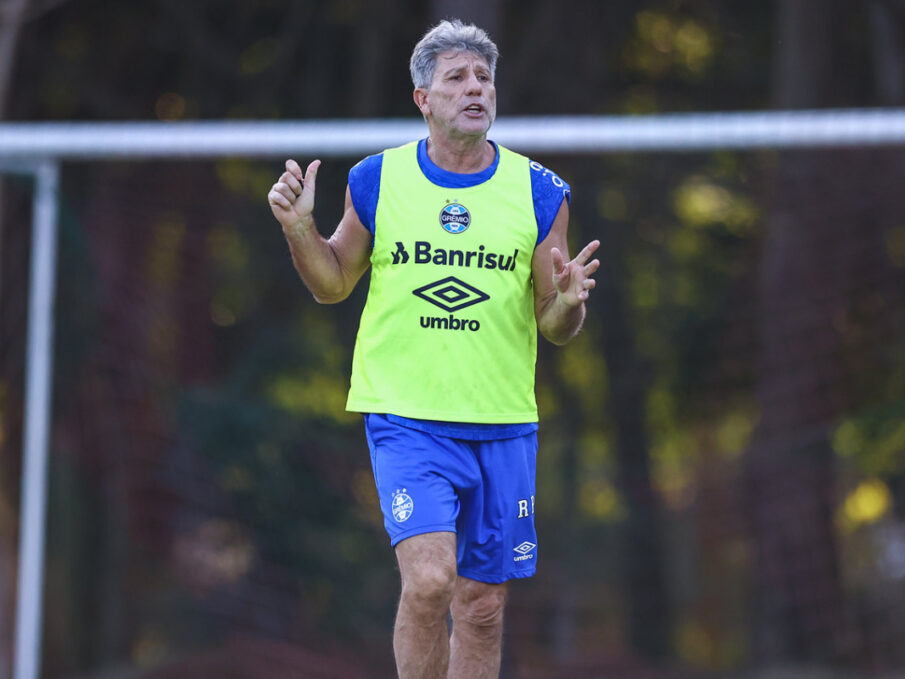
(449, 36)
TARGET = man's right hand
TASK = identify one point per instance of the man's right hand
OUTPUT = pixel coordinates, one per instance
(291, 199)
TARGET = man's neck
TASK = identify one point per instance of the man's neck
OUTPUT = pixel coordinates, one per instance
(463, 156)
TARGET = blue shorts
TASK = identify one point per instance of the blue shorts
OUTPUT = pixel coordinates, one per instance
(483, 491)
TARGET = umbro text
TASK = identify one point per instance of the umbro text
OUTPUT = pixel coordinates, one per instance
(451, 323)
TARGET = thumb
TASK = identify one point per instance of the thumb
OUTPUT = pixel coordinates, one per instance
(311, 174)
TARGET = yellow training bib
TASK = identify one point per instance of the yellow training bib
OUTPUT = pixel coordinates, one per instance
(448, 330)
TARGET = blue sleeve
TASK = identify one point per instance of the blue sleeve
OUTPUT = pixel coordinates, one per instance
(548, 190)
(364, 188)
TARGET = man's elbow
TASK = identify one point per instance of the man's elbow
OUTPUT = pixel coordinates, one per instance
(328, 298)
(327, 294)
(326, 291)
(559, 338)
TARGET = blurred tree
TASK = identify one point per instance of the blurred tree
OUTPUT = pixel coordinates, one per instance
(488, 14)
(798, 589)
(887, 30)
(811, 273)
(886, 23)
(643, 567)
(12, 16)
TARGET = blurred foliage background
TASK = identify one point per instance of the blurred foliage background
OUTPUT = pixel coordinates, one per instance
(722, 469)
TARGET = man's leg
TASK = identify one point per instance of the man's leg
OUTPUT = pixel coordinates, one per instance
(427, 564)
(477, 635)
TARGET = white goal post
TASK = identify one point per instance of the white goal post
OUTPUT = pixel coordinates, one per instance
(38, 149)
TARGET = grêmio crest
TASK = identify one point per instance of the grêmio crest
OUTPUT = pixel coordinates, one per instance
(454, 217)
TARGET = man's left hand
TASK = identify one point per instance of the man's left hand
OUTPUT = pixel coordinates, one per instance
(573, 279)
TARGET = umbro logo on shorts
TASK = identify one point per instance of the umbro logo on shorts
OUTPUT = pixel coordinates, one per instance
(524, 551)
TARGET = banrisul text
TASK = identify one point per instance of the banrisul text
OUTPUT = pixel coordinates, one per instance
(425, 253)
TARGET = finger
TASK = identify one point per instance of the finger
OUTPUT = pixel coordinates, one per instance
(591, 267)
(289, 180)
(589, 284)
(558, 262)
(276, 199)
(586, 252)
(284, 190)
(293, 168)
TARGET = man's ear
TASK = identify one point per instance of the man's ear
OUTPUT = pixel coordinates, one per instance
(420, 97)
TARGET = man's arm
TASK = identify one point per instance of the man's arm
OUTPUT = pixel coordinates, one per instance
(329, 268)
(561, 286)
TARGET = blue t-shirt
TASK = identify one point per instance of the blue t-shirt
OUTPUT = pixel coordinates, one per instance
(548, 192)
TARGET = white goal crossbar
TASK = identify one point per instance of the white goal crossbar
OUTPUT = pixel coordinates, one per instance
(554, 134)
(38, 149)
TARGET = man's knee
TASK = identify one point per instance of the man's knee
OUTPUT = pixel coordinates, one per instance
(478, 604)
(427, 564)
(428, 587)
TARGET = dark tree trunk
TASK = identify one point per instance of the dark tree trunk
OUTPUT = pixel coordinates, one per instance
(798, 596)
(643, 571)
(887, 37)
(488, 14)
(12, 16)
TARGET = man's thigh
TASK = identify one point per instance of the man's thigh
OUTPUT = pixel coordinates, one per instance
(419, 478)
(483, 492)
(427, 557)
(497, 535)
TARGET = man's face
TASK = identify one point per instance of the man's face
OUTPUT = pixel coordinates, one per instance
(461, 100)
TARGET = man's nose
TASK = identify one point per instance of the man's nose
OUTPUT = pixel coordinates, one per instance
(473, 84)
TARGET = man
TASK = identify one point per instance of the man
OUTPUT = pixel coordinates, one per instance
(466, 241)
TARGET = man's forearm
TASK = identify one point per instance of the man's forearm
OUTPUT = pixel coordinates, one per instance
(560, 322)
(316, 262)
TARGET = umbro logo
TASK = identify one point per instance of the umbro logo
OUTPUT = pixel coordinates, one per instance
(524, 551)
(451, 294)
